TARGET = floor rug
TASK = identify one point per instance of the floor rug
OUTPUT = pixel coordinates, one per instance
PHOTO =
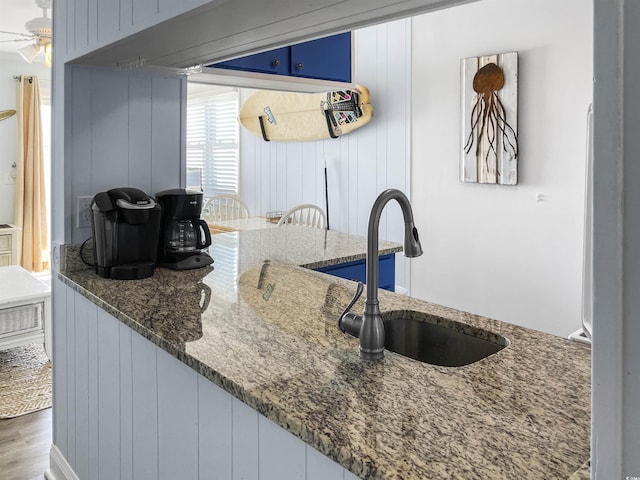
(25, 380)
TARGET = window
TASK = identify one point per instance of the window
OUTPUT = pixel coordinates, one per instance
(213, 160)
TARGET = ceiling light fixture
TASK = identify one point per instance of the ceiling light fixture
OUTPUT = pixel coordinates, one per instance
(48, 49)
(29, 52)
(40, 32)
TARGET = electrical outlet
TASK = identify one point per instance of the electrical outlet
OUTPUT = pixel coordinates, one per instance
(83, 212)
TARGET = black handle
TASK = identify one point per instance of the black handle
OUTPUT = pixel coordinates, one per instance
(205, 296)
(202, 228)
(345, 315)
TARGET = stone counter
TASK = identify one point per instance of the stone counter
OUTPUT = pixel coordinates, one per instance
(265, 330)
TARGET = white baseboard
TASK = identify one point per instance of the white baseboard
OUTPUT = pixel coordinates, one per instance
(59, 468)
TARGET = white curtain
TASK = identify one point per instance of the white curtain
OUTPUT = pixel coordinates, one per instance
(30, 205)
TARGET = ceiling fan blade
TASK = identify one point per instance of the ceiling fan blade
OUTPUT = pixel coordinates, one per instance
(28, 36)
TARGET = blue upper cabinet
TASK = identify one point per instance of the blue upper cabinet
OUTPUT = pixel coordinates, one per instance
(274, 61)
(327, 58)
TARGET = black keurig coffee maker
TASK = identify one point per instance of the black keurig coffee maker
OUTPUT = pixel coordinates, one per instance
(183, 234)
(125, 223)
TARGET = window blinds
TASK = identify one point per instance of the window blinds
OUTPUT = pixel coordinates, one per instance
(212, 139)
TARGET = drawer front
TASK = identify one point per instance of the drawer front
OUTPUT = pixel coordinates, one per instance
(5, 243)
(21, 319)
(5, 259)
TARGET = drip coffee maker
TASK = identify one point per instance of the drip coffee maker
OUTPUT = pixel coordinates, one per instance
(183, 234)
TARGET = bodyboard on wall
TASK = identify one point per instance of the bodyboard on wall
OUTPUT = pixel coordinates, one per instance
(297, 117)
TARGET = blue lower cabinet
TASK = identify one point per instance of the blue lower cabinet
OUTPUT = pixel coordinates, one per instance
(357, 271)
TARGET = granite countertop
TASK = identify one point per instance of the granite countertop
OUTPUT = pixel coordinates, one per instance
(265, 330)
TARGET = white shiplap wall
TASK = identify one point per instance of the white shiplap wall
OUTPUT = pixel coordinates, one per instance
(124, 129)
(279, 175)
(91, 24)
(124, 408)
(98, 112)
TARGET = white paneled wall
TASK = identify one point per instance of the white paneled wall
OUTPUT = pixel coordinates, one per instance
(110, 125)
(91, 24)
(278, 175)
(126, 409)
(124, 129)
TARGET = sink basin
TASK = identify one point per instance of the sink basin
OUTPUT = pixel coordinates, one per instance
(436, 340)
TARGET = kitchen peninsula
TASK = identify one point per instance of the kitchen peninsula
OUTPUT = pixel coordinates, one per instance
(260, 331)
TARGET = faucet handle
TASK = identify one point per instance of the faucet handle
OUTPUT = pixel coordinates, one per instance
(345, 313)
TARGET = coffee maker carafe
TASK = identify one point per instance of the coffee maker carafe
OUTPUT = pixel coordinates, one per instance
(183, 234)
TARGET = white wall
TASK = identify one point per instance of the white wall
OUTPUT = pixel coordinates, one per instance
(12, 64)
(360, 165)
(495, 250)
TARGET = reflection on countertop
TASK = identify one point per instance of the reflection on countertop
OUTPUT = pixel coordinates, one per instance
(269, 337)
(240, 224)
(584, 473)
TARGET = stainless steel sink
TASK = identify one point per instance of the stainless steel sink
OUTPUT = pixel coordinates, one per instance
(436, 340)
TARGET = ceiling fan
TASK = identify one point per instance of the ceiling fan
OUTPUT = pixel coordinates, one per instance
(39, 33)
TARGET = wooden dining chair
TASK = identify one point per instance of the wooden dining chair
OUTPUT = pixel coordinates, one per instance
(304, 215)
(224, 207)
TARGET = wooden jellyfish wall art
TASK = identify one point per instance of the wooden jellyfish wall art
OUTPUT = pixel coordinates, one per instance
(490, 119)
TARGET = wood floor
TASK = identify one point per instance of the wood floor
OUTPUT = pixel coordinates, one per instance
(24, 446)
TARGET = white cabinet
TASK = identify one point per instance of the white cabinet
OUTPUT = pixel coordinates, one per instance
(8, 245)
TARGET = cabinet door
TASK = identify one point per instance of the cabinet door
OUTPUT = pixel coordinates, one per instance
(274, 61)
(356, 271)
(387, 272)
(5, 259)
(326, 58)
